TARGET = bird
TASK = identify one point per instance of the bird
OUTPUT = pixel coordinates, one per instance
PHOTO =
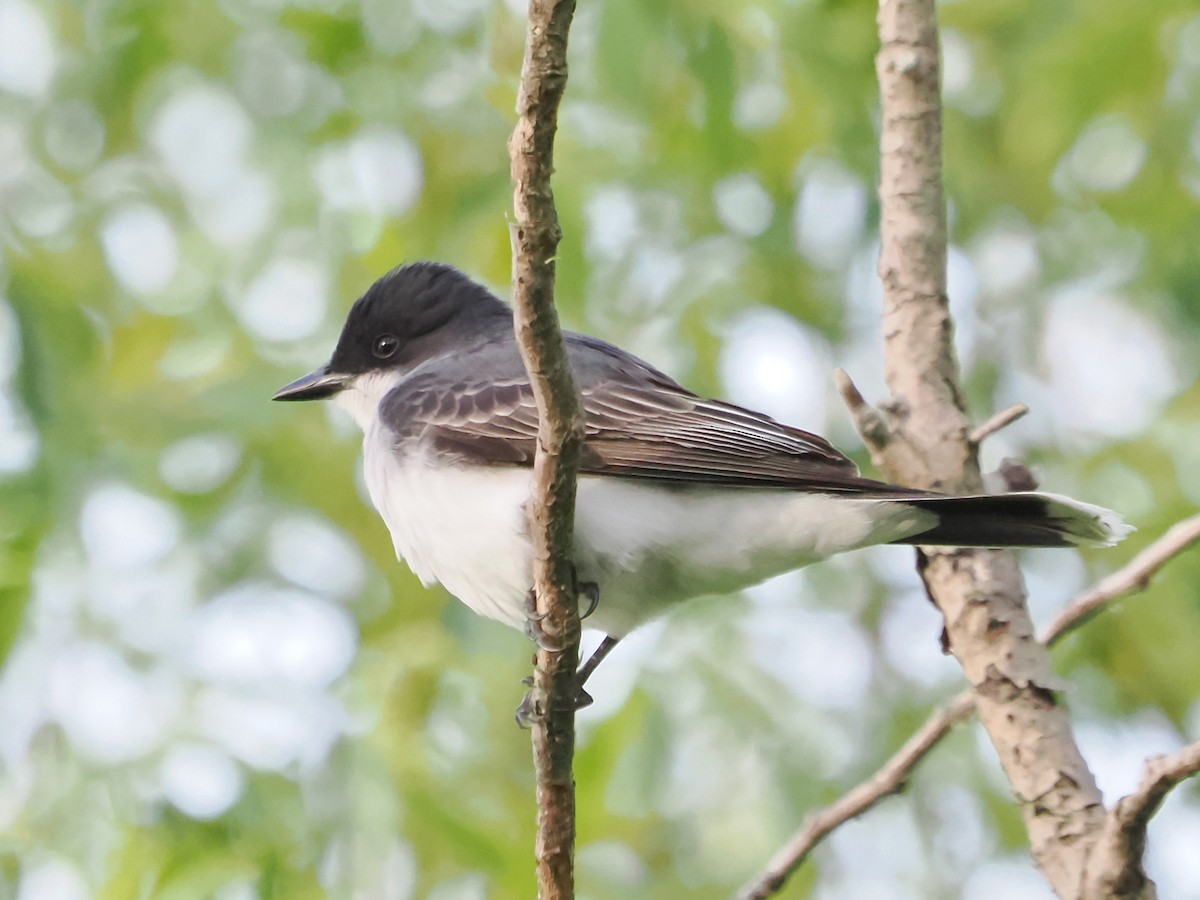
(678, 495)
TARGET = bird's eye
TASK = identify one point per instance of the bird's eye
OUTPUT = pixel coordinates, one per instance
(386, 345)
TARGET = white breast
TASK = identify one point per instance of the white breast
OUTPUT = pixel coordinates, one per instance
(461, 526)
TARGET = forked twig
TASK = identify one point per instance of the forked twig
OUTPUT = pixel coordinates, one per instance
(1115, 868)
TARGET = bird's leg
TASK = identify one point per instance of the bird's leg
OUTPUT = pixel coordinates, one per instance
(528, 711)
(582, 697)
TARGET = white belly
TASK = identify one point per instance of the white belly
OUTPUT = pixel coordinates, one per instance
(650, 546)
(646, 546)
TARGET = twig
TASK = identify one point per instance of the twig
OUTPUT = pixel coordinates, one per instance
(1115, 870)
(1002, 419)
(1133, 576)
(892, 775)
(890, 779)
(536, 235)
(867, 419)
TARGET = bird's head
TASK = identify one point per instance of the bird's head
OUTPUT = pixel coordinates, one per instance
(412, 314)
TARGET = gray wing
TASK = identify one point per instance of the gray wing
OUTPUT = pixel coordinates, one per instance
(640, 424)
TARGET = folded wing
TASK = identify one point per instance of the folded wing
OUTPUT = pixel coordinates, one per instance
(640, 424)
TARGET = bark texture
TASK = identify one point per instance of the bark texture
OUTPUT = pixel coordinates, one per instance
(536, 235)
(926, 442)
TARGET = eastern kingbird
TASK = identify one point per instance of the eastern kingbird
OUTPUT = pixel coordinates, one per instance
(678, 496)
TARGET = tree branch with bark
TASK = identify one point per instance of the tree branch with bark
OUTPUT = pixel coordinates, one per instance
(893, 775)
(536, 235)
(922, 438)
(1115, 869)
(927, 443)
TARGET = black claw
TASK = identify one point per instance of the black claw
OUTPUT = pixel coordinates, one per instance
(591, 590)
(533, 631)
(531, 610)
(528, 712)
(534, 617)
(533, 627)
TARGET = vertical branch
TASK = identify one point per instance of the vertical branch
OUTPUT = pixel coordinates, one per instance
(926, 443)
(536, 235)
(922, 373)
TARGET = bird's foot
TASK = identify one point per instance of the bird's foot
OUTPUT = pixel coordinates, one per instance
(534, 629)
(530, 711)
(534, 617)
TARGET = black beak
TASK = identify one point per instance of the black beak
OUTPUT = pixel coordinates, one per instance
(317, 386)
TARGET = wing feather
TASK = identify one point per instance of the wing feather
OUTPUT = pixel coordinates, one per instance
(640, 424)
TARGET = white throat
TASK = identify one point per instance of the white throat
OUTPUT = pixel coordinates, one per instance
(361, 398)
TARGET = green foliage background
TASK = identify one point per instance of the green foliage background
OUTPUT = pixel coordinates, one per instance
(687, 786)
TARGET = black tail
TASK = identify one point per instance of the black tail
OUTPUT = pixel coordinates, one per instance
(1017, 520)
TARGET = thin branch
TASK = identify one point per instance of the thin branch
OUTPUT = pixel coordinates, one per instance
(893, 774)
(1002, 419)
(1115, 870)
(536, 235)
(1133, 576)
(890, 779)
